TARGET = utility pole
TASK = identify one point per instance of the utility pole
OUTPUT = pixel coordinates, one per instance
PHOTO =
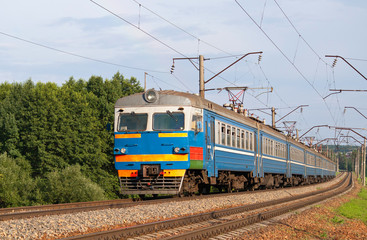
(145, 81)
(346, 62)
(201, 77)
(357, 164)
(364, 164)
(273, 117)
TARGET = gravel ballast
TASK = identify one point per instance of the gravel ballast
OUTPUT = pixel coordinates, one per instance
(48, 227)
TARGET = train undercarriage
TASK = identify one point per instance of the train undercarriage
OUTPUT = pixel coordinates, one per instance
(197, 181)
(229, 181)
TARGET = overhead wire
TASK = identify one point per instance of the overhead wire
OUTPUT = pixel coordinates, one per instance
(78, 55)
(150, 35)
(290, 22)
(357, 59)
(276, 92)
(263, 13)
(196, 37)
(156, 39)
(312, 49)
(287, 58)
(140, 29)
(180, 28)
(181, 82)
(154, 77)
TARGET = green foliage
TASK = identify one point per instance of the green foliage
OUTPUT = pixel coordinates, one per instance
(17, 187)
(356, 208)
(51, 127)
(70, 185)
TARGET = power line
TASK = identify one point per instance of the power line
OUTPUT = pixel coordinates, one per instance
(180, 28)
(181, 82)
(153, 77)
(267, 79)
(150, 35)
(299, 34)
(357, 59)
(137, 27)
(77, 55)
(286, 57)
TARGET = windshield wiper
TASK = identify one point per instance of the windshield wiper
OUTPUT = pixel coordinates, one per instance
(171, 115)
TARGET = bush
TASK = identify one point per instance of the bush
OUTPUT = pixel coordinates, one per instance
(17, 188)
(70, 185)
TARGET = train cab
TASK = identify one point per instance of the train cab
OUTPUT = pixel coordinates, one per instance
(156, 133)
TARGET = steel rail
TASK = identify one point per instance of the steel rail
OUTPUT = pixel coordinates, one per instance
(148, 228)
(60, 206)
(258, 217)
(56, 209)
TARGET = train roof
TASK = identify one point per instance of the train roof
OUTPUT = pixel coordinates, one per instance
(166, 98)
(175, 98)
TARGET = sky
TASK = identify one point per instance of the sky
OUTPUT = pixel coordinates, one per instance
(51, 41)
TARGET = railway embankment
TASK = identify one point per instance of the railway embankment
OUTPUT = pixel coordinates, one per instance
(343, 217)
(56, 226)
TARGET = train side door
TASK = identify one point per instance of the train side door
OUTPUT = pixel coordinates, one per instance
(209, 144)
(259, 155)
(288, 159)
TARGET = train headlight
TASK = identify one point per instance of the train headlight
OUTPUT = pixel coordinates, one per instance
(123, 150)
(151, 96)
(176, 149)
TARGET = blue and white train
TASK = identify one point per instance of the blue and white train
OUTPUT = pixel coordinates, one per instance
(171, 142)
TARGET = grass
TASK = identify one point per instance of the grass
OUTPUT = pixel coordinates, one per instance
(337, 220)
(356, 208)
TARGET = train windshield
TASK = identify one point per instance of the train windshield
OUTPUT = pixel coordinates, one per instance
(132, 122)
(168, 121)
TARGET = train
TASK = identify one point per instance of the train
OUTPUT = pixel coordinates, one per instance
(170, 142)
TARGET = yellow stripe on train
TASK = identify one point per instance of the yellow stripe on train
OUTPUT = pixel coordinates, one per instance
(136, 135)
(172, 135)
(152, 158)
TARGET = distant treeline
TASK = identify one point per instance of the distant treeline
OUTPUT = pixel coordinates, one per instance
(54, 146)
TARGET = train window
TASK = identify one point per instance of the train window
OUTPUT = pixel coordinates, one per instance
(247, 141)
(223, 135)
(196, 122)
(271, 147)
(217, 135)
(233, 137)
(251, 142)
(228, 135)
(265, 146)
(243, 139)
(132, 122)
(268, 147)
(168, 121)
(238, 138)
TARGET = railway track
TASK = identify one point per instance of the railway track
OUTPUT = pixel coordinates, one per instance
(43, 210)
(206, 225)
(55, 209)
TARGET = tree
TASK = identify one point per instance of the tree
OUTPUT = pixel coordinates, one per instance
(70, 185)
(17, 188)
(53, 127)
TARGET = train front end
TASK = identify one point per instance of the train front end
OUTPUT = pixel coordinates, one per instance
(152, 142)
